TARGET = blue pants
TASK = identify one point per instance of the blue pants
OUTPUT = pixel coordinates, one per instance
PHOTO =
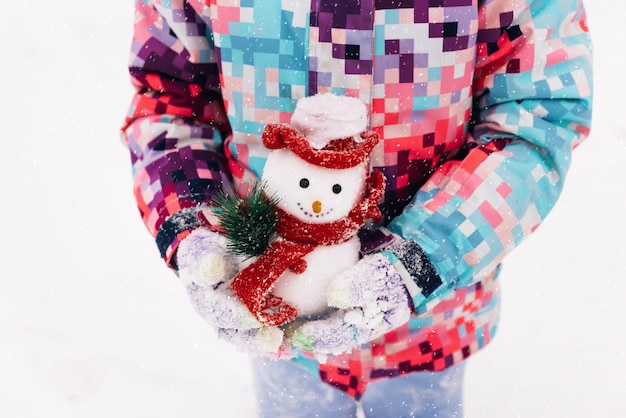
(284, 390)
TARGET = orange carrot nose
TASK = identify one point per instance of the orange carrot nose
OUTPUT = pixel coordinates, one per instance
(317, 206)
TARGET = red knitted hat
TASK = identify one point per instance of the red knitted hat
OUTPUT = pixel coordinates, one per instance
(326, 130)
(338, 154)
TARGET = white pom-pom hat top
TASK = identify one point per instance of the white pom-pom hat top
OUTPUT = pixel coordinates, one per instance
(325, 117)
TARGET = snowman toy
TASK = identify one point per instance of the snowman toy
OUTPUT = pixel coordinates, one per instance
(318, 172)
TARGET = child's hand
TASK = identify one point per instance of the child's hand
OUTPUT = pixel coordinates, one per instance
(373, 300)
(202, 259)
(206, 271)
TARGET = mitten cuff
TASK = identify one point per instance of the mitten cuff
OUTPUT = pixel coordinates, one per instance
(175, 229)
(408, 258)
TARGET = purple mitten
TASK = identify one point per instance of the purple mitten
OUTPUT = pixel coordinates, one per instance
(372, 300)
(202, 258)
(206, 271)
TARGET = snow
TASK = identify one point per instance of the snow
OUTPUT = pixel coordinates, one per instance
(93, 325)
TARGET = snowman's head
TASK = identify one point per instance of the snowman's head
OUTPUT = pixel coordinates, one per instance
(311, 193)
(318, 167)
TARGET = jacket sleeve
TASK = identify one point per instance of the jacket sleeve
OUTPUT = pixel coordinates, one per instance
(176, 122)
(532, 106)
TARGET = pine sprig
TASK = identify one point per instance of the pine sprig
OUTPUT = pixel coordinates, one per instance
(248, 222)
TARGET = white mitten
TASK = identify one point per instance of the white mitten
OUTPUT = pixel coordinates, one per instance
(372, 300)
(206, 270)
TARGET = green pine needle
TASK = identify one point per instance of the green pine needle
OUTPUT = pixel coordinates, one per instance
(248, 222)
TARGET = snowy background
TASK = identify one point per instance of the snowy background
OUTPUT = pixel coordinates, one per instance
(93, 325)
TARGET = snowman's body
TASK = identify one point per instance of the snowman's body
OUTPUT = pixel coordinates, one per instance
(314, 195)
(307, 291)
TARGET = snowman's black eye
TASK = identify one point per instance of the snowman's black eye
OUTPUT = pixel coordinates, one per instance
(304, 183)
(336, 188)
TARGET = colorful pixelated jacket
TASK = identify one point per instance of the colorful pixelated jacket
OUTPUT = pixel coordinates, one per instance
(479, 104)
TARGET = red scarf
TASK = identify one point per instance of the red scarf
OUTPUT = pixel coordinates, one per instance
(296, 239)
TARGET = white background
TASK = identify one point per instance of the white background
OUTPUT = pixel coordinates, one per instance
(93, 325)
